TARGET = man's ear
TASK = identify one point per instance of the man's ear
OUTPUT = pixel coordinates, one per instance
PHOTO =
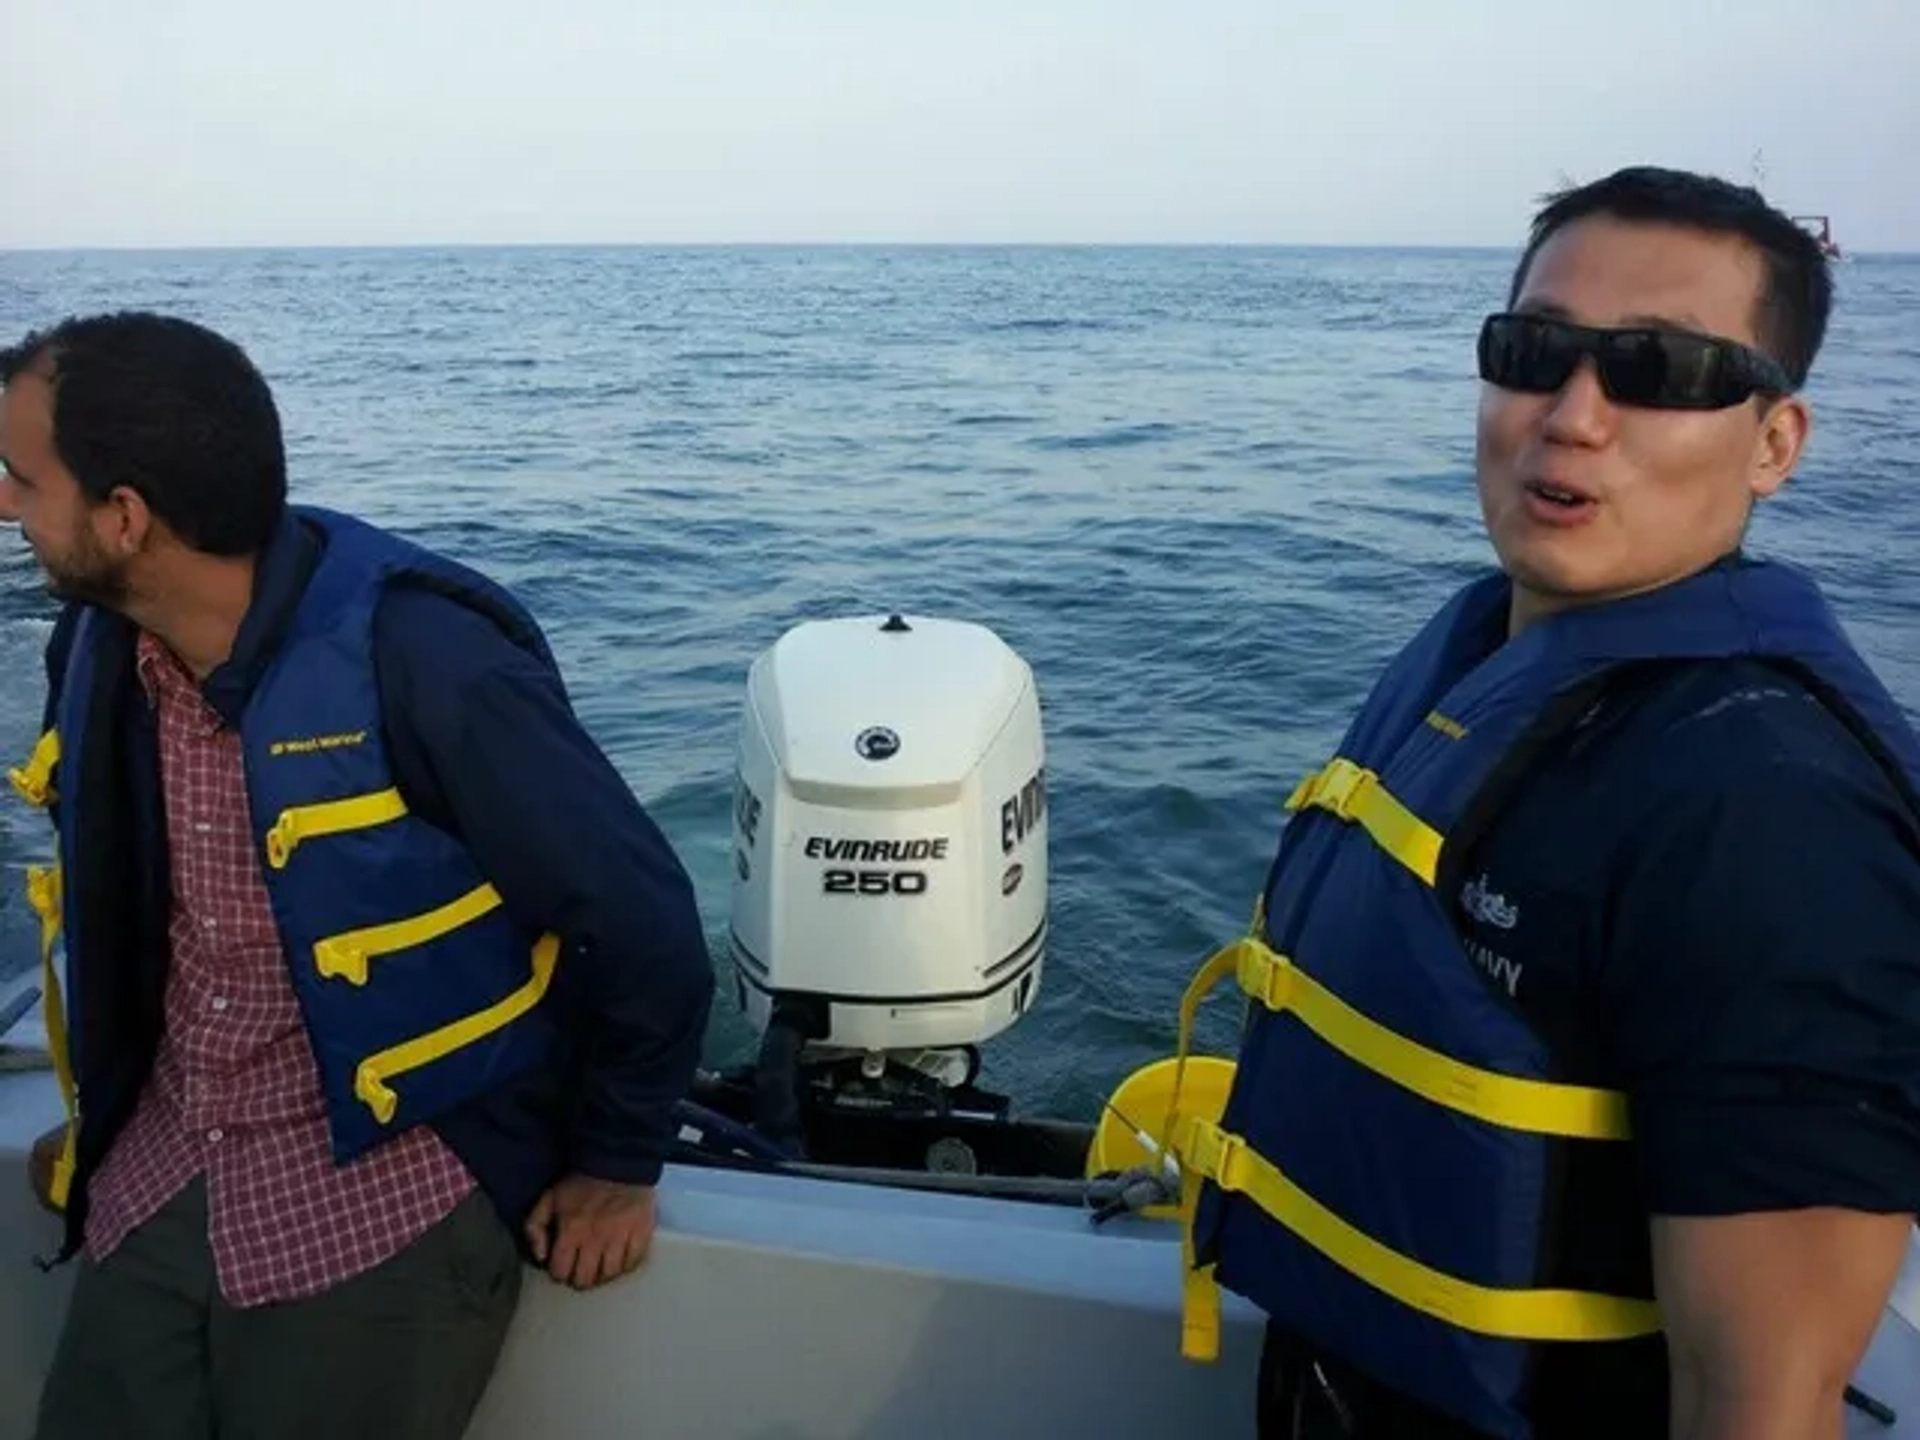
(124, 523)
(1776, 450)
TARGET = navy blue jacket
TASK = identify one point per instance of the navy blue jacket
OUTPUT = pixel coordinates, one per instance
(484, 744)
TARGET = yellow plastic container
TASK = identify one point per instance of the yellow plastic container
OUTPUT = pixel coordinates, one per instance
(1140, 1104)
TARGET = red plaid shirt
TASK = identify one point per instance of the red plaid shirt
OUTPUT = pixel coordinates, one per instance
(234, 1092)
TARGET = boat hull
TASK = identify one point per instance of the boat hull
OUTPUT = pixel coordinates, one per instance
(775, 1307)
(778, 1308)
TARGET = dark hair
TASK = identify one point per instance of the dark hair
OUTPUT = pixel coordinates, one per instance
(1797, 294)
(174, 412)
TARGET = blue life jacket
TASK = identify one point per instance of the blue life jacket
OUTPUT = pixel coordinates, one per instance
(1378, 1180)
(417, 988)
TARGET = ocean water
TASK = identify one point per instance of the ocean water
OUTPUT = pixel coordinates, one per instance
(1206, 493)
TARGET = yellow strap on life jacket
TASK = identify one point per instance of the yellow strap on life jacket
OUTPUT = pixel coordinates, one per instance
(1355, 793)
(371, 1077)
(329, 817)
(1207, 1152)
(34, 780)
(43, 896)
(1230, 1163)
(345, 956)
(1200, 1292)
(1512, 1102)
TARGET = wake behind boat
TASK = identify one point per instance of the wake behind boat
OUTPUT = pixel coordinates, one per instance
(855, 1238)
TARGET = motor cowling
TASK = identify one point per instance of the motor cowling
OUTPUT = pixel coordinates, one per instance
(889, 836)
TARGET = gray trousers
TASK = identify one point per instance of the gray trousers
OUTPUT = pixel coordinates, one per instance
(403, 1351)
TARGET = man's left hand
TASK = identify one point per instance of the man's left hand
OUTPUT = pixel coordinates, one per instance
(588, 1231)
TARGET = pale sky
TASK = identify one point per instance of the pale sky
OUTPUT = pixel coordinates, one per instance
(274, 122)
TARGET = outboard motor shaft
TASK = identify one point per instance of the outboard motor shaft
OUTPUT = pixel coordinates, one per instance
(777, 1079)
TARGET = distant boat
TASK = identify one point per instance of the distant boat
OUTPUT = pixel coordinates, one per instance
(1821, 228)
(1818, 226)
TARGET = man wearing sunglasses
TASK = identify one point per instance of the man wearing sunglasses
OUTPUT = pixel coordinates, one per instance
(1580, 1091)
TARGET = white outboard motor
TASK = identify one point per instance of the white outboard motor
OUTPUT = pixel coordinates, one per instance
(890, 850)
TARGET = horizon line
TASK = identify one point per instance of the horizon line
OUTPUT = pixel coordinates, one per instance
(810, 244)
(349, 246)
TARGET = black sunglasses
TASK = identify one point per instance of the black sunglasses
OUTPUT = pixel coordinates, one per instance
(1658, 368)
